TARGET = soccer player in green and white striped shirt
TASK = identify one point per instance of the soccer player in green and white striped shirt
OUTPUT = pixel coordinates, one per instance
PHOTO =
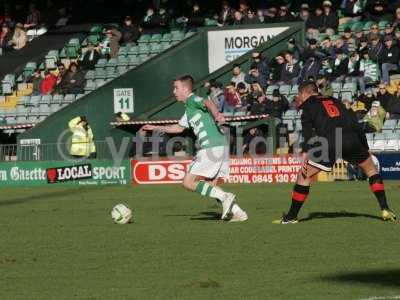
(212, 160)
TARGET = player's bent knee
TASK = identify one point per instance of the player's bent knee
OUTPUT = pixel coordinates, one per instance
(189, 183)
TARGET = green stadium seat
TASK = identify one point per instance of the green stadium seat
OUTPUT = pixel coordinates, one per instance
(90, 75)
(96, 30)
(144, 39)
(144, 49)
(134, 60)
(167, 37)
(177, 36)
(133, 50)
(123, 51)
(90, 86)
(100, 82)
(165, 45)
(69, 98)
(156, 48)
(111, 73)
(46, 99)
(93, 39)
(122, 61)
(156, 38)
(100, 74)
(54, 107)
(58, 99)
(101, 63)
(35, 100)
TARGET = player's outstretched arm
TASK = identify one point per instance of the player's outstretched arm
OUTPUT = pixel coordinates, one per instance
(175, 128)
(213, 109)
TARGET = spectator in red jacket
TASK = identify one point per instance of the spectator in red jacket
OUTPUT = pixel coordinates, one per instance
(48, 83)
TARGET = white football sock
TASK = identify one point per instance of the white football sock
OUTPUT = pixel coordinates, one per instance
(218, 193)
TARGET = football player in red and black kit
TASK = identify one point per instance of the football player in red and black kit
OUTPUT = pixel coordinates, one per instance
(330, 132)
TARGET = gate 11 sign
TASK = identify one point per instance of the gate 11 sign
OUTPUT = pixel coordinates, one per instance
(123, 101)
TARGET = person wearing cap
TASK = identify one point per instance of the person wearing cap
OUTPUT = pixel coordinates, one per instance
(277, 106)
(82, 140)
(295, 48)
(341, 45)
(374, 32)
(251, 18)
(389, 30)
(304, 14)
(348, 39)
(130, 31)
(312, 50)
(19, 38)
(369, 70)
(377, 11)
(330, 19)
(389, 58)
(362, 44)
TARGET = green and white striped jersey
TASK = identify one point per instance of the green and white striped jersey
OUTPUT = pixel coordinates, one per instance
(202, 122)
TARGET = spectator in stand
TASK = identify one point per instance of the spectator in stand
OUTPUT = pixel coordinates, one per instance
(90, 57)
(291, 70)
(396, 104)
(277, 106)
(362, 45)
(396, 18)
(374, 32)
(255, 148)
(340, 66)
(254, 75)
(262, 66)
(232, 99)
(130, 31)
(114, 37)
(354, 67)
(359, 109)
(352, 11)
(251, 18)
(5, 38)
(33, 19)
(330, 19)
(312, 50)
(310, 69)
(245, 97)
(314, 23)
(373, 120)
(276, 66)
(389, 30)
(237, 18)
(369, 70)
(48, 83)
(340, 45)
(368, 98)
(397, 36)
(19, 38)
(259, 104)
(61, 80)
(165, 19)
(295, 49)
(349, 40)
(36, 81)
(217, 94)
(238, 75)
(359, 35)
(226, 15)
(243, 7)
(304, 14)
(324, 86)
(376, 12)
(326, 67)
(271, 15)
(196, 18)
(260, 15)
(389, 57)
(327, 47)
(151, 22)
(386, 100)
(284, 15)
(375, 48)
(75, 80)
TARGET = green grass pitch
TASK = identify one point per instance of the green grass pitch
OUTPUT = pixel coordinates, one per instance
(60, 243)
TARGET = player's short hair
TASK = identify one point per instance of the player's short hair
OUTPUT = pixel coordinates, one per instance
(186, 79)
(308, 86)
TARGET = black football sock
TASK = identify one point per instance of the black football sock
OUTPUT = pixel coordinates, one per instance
(299, 195)
(378, 188)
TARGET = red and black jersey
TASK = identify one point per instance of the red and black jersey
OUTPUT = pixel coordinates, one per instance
(322, 116)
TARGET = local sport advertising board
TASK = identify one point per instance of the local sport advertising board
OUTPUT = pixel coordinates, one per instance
(91, 172)
(276, 169)
(389, 165)
(225, 46)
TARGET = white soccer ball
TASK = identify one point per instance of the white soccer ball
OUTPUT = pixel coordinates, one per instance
(121, 214)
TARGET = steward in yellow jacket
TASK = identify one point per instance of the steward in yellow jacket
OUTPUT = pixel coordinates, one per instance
(82, 144)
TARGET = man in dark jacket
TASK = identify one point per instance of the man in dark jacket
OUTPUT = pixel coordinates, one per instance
(341, 65)
(278, 105)
(290, 70)
(130, 32)
(254, 75)
(330, 19)
(389, 57)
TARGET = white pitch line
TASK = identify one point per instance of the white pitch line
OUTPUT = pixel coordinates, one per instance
(382, 298)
